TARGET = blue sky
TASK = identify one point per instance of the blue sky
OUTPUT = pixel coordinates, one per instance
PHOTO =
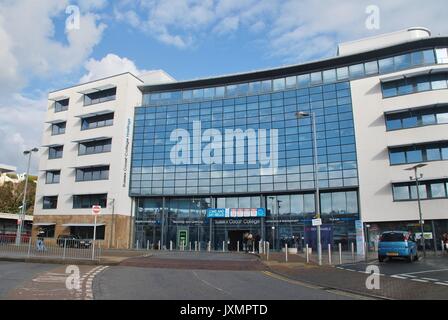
(186, 38)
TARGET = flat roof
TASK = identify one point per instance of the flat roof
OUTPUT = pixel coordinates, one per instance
(4, 168)
(307, 67)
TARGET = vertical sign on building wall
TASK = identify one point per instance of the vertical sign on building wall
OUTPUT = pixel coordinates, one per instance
(359, 237)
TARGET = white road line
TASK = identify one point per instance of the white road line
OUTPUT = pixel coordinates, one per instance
(427, 271)
(398, 277)
(407, 275)
(420, 280)
(431, 279)
(442, 283)
(209, 284)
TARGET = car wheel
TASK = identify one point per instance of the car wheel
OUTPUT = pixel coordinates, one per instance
(416, 257)
(410, 258)
(380, 258)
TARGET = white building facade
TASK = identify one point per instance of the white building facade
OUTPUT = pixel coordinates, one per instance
(381, 106)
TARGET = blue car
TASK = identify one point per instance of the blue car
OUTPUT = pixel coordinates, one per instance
(397, 244)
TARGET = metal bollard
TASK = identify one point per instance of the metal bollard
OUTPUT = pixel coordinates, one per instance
(237, 246)
(209, 246)
(307, 254)
(353, 252)
(223, 246)
(443, 247)
(199, 246)
(147, 244)
(340, 253)
(31, 239)
(329, 254)
(65, 246)
(195, 246)
(286, 252)
(365, 251)
(260, 247)
(190, 246)
(137, 245)
(171, 245)
(267, 250)
(160, 245)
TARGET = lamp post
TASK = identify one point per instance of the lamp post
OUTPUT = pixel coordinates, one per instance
(112, 230)
(23, 209)
(417, 185)
(312, 115)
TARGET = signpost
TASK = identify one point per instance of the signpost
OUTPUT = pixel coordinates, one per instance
(316, 222)
(96, 210)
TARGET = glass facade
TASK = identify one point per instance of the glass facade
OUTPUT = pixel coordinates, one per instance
(172, 197)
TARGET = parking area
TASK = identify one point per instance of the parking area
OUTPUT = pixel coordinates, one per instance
(433, 270)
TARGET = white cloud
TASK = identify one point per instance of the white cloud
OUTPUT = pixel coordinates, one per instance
(293, 30)
(111, 64)
(29, 51)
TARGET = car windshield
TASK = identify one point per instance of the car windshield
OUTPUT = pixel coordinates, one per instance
(392, 237)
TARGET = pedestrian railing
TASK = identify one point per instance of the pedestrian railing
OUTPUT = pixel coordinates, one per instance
(73, 249)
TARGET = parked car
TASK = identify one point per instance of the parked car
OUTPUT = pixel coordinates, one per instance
(394, 244)
(73, 241)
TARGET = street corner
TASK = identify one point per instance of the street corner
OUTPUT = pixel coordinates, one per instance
(68, 282)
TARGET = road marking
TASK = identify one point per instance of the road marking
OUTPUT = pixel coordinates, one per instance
(310, 286)
(442, 283)
(431, 279)
(407, 275)
(209, 284)
(427, 271)
(399, 277)
(420, 280)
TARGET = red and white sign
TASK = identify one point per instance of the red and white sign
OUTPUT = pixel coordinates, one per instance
(96, 210)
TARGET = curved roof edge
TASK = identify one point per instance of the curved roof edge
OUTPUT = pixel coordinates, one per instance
(299, 68)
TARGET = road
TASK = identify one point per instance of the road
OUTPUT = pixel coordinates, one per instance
(432, 270)
(180, 284)
(14, 274)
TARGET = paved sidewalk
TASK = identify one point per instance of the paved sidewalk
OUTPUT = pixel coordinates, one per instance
(352, 281)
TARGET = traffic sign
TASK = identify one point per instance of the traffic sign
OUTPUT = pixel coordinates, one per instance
(316, 222)
(96, 210)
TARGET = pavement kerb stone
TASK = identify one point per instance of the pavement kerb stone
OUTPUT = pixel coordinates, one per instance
(324, 287)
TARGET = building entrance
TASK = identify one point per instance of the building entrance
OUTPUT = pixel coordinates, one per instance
(236, 237)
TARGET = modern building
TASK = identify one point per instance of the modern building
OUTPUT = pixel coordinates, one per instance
(85, 159)
(216, 158)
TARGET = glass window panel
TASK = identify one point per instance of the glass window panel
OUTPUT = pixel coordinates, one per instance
(393, 124)
(429, 57)
(401, 192)
(386, 65)
(316, 77)
(442, 55)
(444, 153)
(303, 80)
(389, 89)
(438, 190)
(402, 62)
(279, 84)
(397, 157)
(414, 156)
(342, 73)
(438, 81)
(329, 76)
(410, 122)
(422, 191)
(442, 117)
(371, 67)
(356, 70)
(423, 83)
(428, 119)
(433, 154)
(291, 82)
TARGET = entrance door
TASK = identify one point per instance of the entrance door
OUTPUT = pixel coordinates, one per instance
(234, 236)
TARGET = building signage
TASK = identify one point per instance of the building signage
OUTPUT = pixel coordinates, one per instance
(236, 213)
(359, 237)
(237, 221)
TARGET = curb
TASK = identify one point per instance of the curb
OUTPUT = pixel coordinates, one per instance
(326, 288)
(60, 261)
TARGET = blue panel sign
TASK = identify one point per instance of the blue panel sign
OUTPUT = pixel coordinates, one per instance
(236, 213)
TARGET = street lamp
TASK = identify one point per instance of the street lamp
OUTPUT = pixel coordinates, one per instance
(312, 115)
(417, 185)
(23, 209)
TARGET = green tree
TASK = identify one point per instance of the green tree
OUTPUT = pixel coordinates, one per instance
(11, 196)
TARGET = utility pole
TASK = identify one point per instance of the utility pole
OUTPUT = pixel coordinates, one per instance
(301, 115)
(23, 209)
(417, 185)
